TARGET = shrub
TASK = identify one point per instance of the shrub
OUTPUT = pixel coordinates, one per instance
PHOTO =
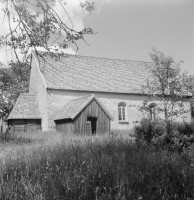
(170, 136)
(148, 130)
(185, 128)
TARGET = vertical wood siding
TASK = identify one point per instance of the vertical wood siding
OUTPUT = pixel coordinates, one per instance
(24, 125)
(65, 126)
(78, 125)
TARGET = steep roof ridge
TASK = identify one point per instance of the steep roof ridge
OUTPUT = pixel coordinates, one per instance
(90, 98)
(104, 108)
(99, 57)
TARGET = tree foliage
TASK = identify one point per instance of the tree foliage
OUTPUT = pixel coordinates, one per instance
(15, 80)
(166, 87)
(168, 90)
(189, 82)
(33, 24)
(36, 23)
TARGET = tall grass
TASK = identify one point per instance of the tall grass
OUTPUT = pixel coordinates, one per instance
(100, 167)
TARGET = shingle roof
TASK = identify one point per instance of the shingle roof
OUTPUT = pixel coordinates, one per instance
(74, 107)
(25, 108)
(83, 73)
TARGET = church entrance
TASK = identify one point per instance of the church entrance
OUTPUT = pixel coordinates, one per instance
(91, 125)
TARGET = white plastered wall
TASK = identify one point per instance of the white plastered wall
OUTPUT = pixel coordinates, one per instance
(57, 99)
(38, 86)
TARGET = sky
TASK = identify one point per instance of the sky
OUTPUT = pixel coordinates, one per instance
(130, 29)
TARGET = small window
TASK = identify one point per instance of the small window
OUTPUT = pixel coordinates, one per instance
(152, 108)
(122, 111)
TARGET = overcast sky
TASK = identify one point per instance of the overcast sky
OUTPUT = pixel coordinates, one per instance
(129, 29)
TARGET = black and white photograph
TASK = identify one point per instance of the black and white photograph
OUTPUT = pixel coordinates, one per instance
(97, 99)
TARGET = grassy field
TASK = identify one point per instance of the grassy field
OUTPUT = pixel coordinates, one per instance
(54, 166)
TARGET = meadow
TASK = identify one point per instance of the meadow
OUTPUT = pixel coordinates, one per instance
(63, 166)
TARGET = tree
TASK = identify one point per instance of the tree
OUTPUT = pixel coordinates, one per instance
(167, 93)
(166, 88)
(36, 23)
(15, 80)
(33, 24)
(189, 82)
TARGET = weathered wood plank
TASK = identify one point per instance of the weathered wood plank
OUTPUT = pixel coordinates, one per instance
(93, 110)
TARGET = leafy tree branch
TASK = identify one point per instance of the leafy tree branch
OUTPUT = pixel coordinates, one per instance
(36, 23)
(166, 87)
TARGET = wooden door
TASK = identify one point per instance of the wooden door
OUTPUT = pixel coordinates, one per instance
(19, 125)
(93, 124)
(88, 128)
(31, 125)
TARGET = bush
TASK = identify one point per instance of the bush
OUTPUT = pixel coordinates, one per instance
(147, 130)
(185, 128)
(173, 136)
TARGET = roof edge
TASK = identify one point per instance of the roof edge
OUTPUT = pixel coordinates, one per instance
(127, 93)
(12, 111)
(92, 97)
(104, 108)
(73, 117)
(38, 67)
(9, 116)
(143, 61)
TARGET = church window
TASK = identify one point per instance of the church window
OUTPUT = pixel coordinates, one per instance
(152, 109)
(122, 111)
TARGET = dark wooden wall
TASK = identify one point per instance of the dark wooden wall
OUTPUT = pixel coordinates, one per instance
(78, 125)
(24, 125)
(65, 126)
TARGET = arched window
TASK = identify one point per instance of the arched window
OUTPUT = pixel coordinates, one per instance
(122, 111)
(152, 108)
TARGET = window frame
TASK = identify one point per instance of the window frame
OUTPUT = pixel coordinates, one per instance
(122, 112)
(152, 110)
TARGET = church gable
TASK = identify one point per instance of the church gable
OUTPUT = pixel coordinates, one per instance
(85, 115)
(36, 77)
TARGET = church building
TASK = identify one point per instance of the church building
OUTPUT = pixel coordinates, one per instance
(80, 94)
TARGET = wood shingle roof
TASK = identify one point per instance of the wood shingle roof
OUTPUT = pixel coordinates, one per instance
(25, 108)
(72, 72)
(74, 107)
